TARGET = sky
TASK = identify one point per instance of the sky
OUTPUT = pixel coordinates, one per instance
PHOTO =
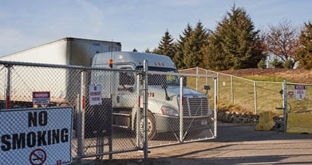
(138, 24)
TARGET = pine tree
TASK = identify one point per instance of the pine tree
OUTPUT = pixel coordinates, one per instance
(166, 46)
(201, 40)
(216, 59)
(179, 55)
(189, 48)
(304, 51)
(235, 42)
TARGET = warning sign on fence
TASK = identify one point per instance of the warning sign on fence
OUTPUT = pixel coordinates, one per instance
(300, 92)
(36, 136)
(41, 97)
(95, 94)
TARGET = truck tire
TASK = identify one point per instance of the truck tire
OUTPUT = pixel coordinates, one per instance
(151, 126)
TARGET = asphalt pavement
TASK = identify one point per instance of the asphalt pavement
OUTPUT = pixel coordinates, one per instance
(235, 144)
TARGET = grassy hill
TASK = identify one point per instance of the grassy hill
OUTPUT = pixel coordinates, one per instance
(271, 74)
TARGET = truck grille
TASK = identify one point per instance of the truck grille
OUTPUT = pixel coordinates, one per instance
(195, 106)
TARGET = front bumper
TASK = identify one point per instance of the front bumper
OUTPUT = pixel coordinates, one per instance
(172, 124)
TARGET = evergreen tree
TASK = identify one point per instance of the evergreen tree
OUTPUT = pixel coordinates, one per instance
(180, 47)
(166, 46)
(217, 60)
(147, 51)
(304, 51)
(235, 42)
(200, 41)
(189, 48)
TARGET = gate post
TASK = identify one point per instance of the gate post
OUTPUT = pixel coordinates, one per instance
(8, 88)
(215, 104)
(181, 109)
(145, 108)
(285, 105)
(81, 114)
(138, 112)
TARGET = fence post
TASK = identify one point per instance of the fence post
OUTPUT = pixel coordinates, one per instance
(215, 104)
(255, 96)
(218, 91)
(145, 108)
(138, 113)
(196, 78)
(285, 105)
(181, 109)
(232, 90)
(81, 114)
(8, 88)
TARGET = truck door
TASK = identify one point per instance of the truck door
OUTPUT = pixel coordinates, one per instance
(126, 92)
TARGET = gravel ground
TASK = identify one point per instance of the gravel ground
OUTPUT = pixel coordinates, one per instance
(235, 144)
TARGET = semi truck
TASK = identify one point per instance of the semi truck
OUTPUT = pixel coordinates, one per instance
(164, 93)
(164, 90)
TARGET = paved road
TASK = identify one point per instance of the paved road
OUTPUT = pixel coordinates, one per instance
(235, 144)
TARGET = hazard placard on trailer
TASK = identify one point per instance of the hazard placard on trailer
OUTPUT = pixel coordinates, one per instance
(36, 136)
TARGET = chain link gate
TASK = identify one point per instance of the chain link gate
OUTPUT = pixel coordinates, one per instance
(93, 132)
(195, 118)
(297, 105)
(174, 111)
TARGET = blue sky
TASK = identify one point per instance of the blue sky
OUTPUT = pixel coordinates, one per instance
(136, 24)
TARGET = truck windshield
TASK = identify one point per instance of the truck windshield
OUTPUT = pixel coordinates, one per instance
(157, 79)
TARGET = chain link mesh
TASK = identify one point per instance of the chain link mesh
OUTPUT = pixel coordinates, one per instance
(113, 123)
(253, 96)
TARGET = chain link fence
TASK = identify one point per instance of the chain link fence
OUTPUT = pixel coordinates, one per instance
(289, 103)
(253, 96)
(113, 112)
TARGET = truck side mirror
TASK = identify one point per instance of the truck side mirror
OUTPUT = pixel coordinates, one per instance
(207, 88)
(164, 86)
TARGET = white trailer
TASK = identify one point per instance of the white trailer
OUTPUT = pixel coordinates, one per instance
(66, 51)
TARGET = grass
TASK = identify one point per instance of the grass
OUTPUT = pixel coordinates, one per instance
(256, 93)
(266, 78)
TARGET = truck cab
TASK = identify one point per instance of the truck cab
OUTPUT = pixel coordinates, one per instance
(163, 92)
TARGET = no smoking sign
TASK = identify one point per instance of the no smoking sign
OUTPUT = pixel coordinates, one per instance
(37, 157)
(36, 136)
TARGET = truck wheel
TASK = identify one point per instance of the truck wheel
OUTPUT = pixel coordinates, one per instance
(151, 126)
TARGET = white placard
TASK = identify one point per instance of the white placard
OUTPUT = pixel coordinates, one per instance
(300, 92)
(95, 94)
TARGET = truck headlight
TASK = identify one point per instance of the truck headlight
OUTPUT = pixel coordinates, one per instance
(166, 110)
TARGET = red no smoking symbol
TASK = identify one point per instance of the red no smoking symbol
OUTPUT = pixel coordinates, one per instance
(37, 157)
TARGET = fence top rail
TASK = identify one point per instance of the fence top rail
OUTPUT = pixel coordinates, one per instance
(12, 63)
(198, 75)
(225, 74)
(271, 82)
(289, 83)
(182, 74)
(15, 63)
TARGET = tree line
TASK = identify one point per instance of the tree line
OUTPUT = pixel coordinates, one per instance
(236, 44)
